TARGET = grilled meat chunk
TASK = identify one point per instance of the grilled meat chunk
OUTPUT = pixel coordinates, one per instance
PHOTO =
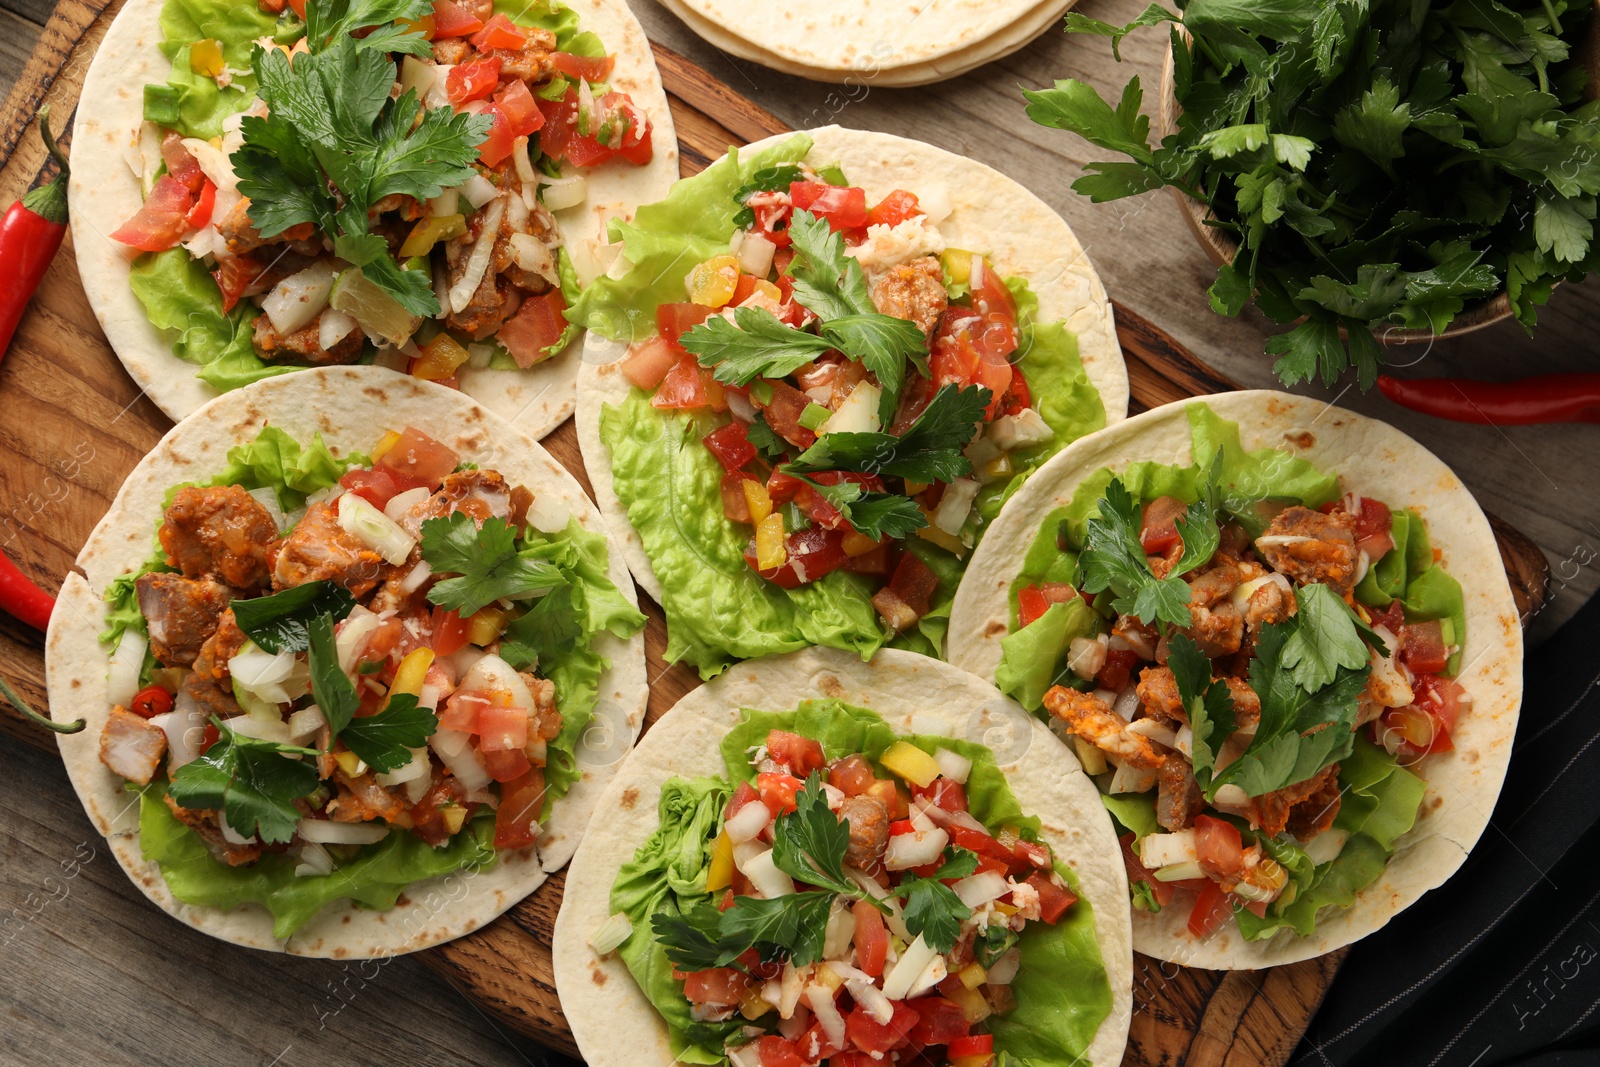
(1178, 798)
(318, 549)
(204, 824)
(1093, 720)
(869, 832)
(220, 531)
(304, 344)
(209, 683)
(180, 613)
(242, 236)
(1310, 547)
(1158, 692)
(913, 291)
(1271, 812)
(132, 746)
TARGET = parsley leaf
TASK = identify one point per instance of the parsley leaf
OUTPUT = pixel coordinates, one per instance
(253, 782)
(929, 451)
(873, 515)
(328, 20)
(1114, 558)
(932, 908)
(882, 343)
(703, 937)
(384, 741)
(1300, 732)
(809, 843)
(766, 180)
(551, 626)
(1198, 527)
(826, 281)
(277, 623)
(1206, 701)
(334, 692)
(758, 347)
(487, 561)
(1324, 639)
(766, 440)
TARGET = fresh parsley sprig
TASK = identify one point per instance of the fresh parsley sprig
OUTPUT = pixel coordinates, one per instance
(278, 622)
(1114, 558)
(826, 280)
(383, 741)
(932, 908)
(485, 560)
(929, 451)
(874, 515)
(810, 842)
(755, 345)
(254, 783)
(1325, 639)
(1206, 701)
(330, 20)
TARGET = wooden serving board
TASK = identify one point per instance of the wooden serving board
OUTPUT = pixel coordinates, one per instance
(72, 425)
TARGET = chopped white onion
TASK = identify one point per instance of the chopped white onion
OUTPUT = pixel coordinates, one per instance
(491, 674)
(840, 930)
(820, 998)
(1155, 730)
(361, 520)
(150, 154)
(739, 405)
(1180, 872)
(858, 413)
(213, 163)
(334, 326)
(352, 634)
(455, 749)
(1127, 702)
(951, 514)
(612, 933)
(1005, 969)
(122, 677)
(564, 192)
(1086, 656)
(755, 254)
(327, 832)
(479, 190)
(978, 889)
(1131, 779)
(298, 299)
(418, 767)
(482, 252)
(935, 972)
(185, 727)
(747, 823)
(935, 202)
(446, 203)
(260, 728)
(314, 860)
(305, 722)
(519, 158)
(478, 356)
(916, 849)
(1326, 846)
(953, 765)
(1022, 430)
(416, 576)
(534, 255)
(1163, 850)
(897, 982)
(268, 498)
(401, 503)
(765, 876)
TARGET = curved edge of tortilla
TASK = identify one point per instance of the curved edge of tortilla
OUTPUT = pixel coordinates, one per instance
(991, 213)
(612, 1020)
(351, 407)
(104, 193)
(1369, 455)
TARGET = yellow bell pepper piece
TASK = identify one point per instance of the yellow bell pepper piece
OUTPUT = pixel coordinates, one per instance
(758, 499)
(413, 669)
(430, 231)
(948, 542)
(770, 291)
(441, 357)
(910, 763)
(719, 875)
(388, 441)
(454, 816)
(974, 1008)
(205, 58)
(856, 544)
(350, 763)
(751, 1006)
(957, 264)
(997, 468)
(973, 975)
(826, 977)
(770, 550)
(425, 26)
(488, 624)
(712, 283)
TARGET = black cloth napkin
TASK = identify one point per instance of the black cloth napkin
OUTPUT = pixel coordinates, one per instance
(1501, 964)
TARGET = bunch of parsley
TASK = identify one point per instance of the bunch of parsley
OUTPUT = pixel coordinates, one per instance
(1381, 163)
(335, 141)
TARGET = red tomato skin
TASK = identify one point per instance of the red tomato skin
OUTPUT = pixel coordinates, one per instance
(852, 776)
(682, 389)
(1158, 530)
(499, 141)
(675, 320)
(869, 1035)
(741, 796)
(1030, 605)
(151, 701)
(720, 985)
(1053, 900)
(1118, 669)
(588, 68)
(1220, 848)
(204, 205)
(475, 79)
(505, 765)
(843, 206)
(800, 754)
(1422, 647)
(233, 276)
(161, 221)
(417, 459)
(730, 446)
(449, 632)
(939, 1021)
(520, 108)
(945, 794)
(537, 326)
(871, 938)
(516, 820)
(974, 1045)
(778, 791)
(914, 582)
(775, 1051)
(181, 164)
(499, 32)
(894, 209)
(452, 20)
(374, 486)
(813, 553)
(1211, 909)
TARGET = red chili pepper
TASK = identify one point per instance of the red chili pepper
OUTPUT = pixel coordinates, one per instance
(30, 234)
(1542, 398)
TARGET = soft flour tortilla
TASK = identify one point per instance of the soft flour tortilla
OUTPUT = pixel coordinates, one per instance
(992, 214)
(612, 1020)
(104, 193)
(352, 407)
(896, 43)
(1371, 457)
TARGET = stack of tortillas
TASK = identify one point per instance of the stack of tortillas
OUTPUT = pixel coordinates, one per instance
(870, 42)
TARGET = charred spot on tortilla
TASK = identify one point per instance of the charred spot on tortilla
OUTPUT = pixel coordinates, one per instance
(630, 797)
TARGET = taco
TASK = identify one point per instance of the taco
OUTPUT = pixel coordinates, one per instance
(1279, 636)
(362, 693)
(815, 858)
(815, 374)
(476, 153)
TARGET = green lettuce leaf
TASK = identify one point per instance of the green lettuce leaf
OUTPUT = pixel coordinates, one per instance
(718, 609)
(1245, 478)
(374, 879)
(1062, 989)
(1034, 658)
(201, 104)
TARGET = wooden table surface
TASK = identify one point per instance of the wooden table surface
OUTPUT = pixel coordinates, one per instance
(90, 972)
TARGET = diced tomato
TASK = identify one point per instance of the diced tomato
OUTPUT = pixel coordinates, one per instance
(914, 582)
(1018, 395)
(721, 986)
(812, 553)
(505, 764)
(1441, 696)
(204, 205)
(649, 362)
(964, 355)
(1027, 854)
(735, 505)
(1373, 520)
(1220, 849)
(675, 320)
(894, 209)
(427, 822)
(781, 486)
(1393, 618)
(777, 791)
(162, 220)
(1053, 899)
(272, 7)
(772, 222)
(975, 1045)
(1422, 647)
(843, 206)
(974, 840)
(814, 1046)
(741, 796)
(499, 32)
(627, 131)
(995, 305)
(537, 326)
(417, 459)
(1137, 872)
(516, 820)
(872, 561)
(499, 141)
(1159, 530)
(1030, 604)
(374, 486)
(449, 632)
(683, 389)
(869, 1035)
(853, 1059)
(939, 1021)
(800, 754)
(851, 776)
(944, 792)
(871, 938)
(151, 701)
(1211, 909)
(501, 728)
(1118, 669)
(460, 711)
(587, 68)
(730, 446)
(233, 276)
(894, 799)
(475, 79)
(775, 1051)
(181, 164)
(783, 412)
(453, 20)
(299, 8)
(520, 108)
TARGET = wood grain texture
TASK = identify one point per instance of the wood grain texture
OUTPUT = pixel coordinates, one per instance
(72, 425)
